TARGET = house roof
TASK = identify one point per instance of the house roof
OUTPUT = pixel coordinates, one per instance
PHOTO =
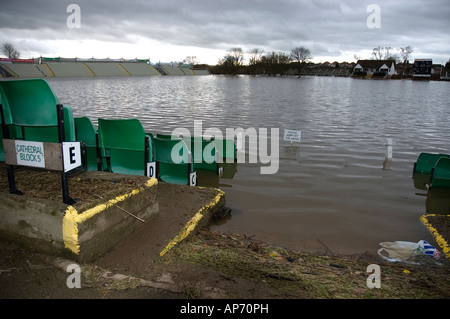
(374, 64)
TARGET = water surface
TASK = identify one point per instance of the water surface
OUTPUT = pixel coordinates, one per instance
(332, 188)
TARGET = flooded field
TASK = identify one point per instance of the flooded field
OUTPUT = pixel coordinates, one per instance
(333, 189)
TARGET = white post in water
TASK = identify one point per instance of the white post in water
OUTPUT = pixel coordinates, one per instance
(388, 154)
(388, 145)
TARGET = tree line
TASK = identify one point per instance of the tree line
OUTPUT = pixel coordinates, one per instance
(271, 63)
(260, 62)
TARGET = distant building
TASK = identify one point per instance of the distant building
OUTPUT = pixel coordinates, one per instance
(375, 67)
(404, 70)
(446, 72)
(422, 69)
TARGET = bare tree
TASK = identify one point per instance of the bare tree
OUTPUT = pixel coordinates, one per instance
(236, 55)
(377, 53)
(10, 51)
(301, 55)
(255, 56)
(255, 59)
(191, 60)
(406, 53)
(232, 61)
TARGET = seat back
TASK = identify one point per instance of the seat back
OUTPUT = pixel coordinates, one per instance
(29, 107)
(173, 159)
(122, 142)
(171, 151)
(50, 133)
(85, 132)
(441, 173)
(127, 134)
(208, 153)
(29, 102)
(426, 161)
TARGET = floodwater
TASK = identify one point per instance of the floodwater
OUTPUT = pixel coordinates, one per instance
(333, 189)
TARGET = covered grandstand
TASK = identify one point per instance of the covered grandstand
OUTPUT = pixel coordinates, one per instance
(106, 69)
(28, 70)
(139, 69)
(171, 70)
(62, 67)
(67, 69)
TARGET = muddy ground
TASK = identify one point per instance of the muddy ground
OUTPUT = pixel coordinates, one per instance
(212, 265)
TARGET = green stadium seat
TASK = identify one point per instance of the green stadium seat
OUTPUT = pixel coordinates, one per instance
(124, 145)
(209, 154)
(2, 149)
(226, 161)
(174, 161)
(228, 157)
(30, 105)
(426, 161)
(31, 112)
(50, 133)
(86, 133)
(440, 175)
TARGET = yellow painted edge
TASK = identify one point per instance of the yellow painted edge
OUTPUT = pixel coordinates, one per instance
(124, 70)
(438, 237)
(50, 71)
(89, 70)
(72, 218)
(192, 223)
(157, 72)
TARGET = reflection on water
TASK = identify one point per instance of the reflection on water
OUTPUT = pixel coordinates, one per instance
(335, 186)
(437, 199)
(208, 178)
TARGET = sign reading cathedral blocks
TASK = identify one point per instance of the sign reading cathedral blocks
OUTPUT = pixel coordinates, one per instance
(52, 156)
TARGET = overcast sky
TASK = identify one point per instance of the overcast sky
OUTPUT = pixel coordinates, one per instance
(171, 30)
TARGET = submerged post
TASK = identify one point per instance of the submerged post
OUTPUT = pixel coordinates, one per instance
(388, 154)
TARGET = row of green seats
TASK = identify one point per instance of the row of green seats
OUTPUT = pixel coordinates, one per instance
(122, 146)
(118, 145)
(209, 153)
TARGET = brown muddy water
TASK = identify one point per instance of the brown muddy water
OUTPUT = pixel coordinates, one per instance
(333, 189)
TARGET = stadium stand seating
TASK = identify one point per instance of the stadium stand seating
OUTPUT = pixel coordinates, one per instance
(140, 69)
(170, 70)
(23, 70)
(68, 69)
(106, 69)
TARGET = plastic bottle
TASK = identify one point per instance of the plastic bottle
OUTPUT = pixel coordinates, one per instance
(425, 248)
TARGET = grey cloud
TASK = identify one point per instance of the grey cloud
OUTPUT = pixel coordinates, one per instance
(328, 26)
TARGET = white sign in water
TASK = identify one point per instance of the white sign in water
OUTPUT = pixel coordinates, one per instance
(30, 153)
(71, 155)
(292, 135)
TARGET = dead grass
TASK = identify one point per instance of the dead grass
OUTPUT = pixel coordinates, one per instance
(292, 274)
(85, 190)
